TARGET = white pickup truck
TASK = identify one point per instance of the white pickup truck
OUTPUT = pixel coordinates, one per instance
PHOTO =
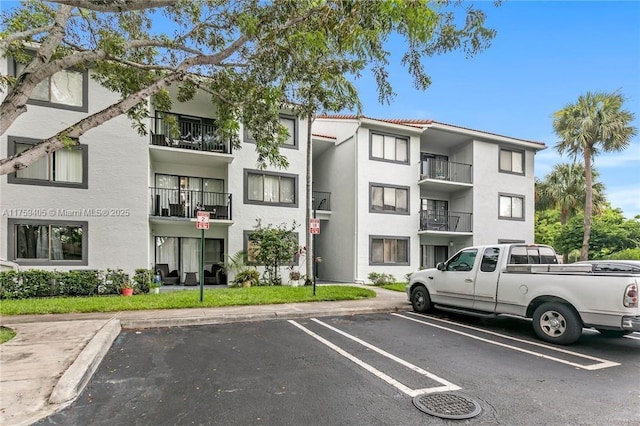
(527, 281)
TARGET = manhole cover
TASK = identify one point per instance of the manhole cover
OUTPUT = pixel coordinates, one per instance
(447, 405)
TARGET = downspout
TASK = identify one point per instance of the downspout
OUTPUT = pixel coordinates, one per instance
(355, 221)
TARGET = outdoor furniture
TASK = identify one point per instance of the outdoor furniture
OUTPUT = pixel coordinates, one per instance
(175, 210)
(168, 278)
(211, 277)
(190, 279)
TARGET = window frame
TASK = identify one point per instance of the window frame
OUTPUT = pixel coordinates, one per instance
(12, 69)
(248, 138)
(385, 238)
(512, 196)
(13, 177)
(245, 190)
(396, 187)
(12, 242)
(502, 169)
(384, 135)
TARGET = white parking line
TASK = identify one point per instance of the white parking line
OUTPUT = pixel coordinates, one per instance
(634, 336)
(447, 386)
(601, 363)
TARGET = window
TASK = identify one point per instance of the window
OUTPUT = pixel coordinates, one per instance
(462, 261)
(389, 148)
(490, 259)
(270, 188)
(41, 242)
(511, 207)
(512, 161)
(289, 123)
(388, 250)
(388, 199)
(65, 89)
(64, 167)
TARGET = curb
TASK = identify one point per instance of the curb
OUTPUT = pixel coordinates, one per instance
(78, 374)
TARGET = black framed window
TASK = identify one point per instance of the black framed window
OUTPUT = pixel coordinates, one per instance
(388, 199)
(387, 147)
(67, 167)
(46, 242)
(511, 161)
(511, 207)
(66, 89)
(270, 188)
(290, 123)
(388, 250)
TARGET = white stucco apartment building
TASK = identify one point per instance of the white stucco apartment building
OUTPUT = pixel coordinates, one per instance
(392, 195)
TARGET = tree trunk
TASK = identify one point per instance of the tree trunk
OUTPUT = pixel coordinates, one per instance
(310, 253)
(588, 204)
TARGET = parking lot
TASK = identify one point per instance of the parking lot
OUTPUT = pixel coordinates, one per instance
(359, 370)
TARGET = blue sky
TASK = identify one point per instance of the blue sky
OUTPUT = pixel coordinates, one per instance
(545, 55)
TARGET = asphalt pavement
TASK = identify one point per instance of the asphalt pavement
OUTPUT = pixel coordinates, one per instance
(52, 358)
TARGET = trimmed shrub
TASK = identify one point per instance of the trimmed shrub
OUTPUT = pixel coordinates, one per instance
(77, 283)
(26, 284)
(143, 278)
(381, 279)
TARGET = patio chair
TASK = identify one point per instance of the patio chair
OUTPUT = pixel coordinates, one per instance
(168, 278)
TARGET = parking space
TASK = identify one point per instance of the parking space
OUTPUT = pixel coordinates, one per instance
(357, 370)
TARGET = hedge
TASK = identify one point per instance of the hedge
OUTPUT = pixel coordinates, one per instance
(39, 283)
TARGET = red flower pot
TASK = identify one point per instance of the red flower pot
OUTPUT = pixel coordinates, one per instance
(127, 292)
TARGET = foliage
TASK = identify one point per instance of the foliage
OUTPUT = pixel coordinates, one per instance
(547, 227)
(247, 278)
(596, 122)
(114, 281)
(183, 299)
(250, 57)
(626, 254)
(381, 279)
(143, 279)
(274, 246)
(77, 283)
(610, 233)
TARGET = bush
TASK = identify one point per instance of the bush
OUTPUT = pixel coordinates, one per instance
(26, 284)
(381, 279)
(77, 283)
(143, 278)
(626, 254)
(114, 281)
(249, 275)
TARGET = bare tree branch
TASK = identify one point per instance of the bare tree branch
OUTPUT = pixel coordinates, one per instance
(7, 40)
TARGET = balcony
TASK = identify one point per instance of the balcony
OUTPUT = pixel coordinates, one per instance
(189, 133)
(445, 221)
(445, 175)
(321, 200)
(184, 203)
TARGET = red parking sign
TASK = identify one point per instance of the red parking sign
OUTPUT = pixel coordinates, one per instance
(202, 220)
(314, 226)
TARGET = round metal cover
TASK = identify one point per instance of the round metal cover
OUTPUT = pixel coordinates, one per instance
(447, 405)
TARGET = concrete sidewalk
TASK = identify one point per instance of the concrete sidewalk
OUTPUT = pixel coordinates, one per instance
(47, 365)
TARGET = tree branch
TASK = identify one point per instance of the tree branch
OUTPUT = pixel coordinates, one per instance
(7, 40)
(117, 5)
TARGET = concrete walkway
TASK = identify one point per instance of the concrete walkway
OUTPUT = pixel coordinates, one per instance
(52, 358)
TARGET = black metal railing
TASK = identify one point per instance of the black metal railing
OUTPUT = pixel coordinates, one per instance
(193, 133)
(431, 168)
(186, 203)
(445, 220)
(321, 200)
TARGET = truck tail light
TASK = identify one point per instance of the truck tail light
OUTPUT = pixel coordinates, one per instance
(631, 296)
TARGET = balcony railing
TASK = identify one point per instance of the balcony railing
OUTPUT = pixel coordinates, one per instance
(444, 220)
(185, 203)
(431, 168)
(193, 133)
(321, 200)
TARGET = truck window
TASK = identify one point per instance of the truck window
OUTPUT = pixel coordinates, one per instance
(490, 259)
(522, 255)
(462, 261)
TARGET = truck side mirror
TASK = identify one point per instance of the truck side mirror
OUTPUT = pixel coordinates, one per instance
(440, 266)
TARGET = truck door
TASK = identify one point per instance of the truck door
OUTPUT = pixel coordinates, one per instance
(487, 280)
(455, 284)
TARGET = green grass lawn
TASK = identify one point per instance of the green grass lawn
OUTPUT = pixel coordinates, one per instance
(6, 334)
(183, 299)
(395, 287)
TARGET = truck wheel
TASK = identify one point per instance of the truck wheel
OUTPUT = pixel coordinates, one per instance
(420, 299)
(613, 333)
(557, 323)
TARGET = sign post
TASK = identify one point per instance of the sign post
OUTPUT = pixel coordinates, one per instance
(202, 223)
(314, 229)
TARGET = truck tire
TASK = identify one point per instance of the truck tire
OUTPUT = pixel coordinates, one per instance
(613, 333)
(420, 299)
(557, 323)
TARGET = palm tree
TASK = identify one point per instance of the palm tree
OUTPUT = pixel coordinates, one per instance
(596, 122)
(564, 189)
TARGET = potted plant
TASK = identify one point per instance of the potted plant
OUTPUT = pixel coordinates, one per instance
(127, 288)
(154, 287)
(294, 278)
